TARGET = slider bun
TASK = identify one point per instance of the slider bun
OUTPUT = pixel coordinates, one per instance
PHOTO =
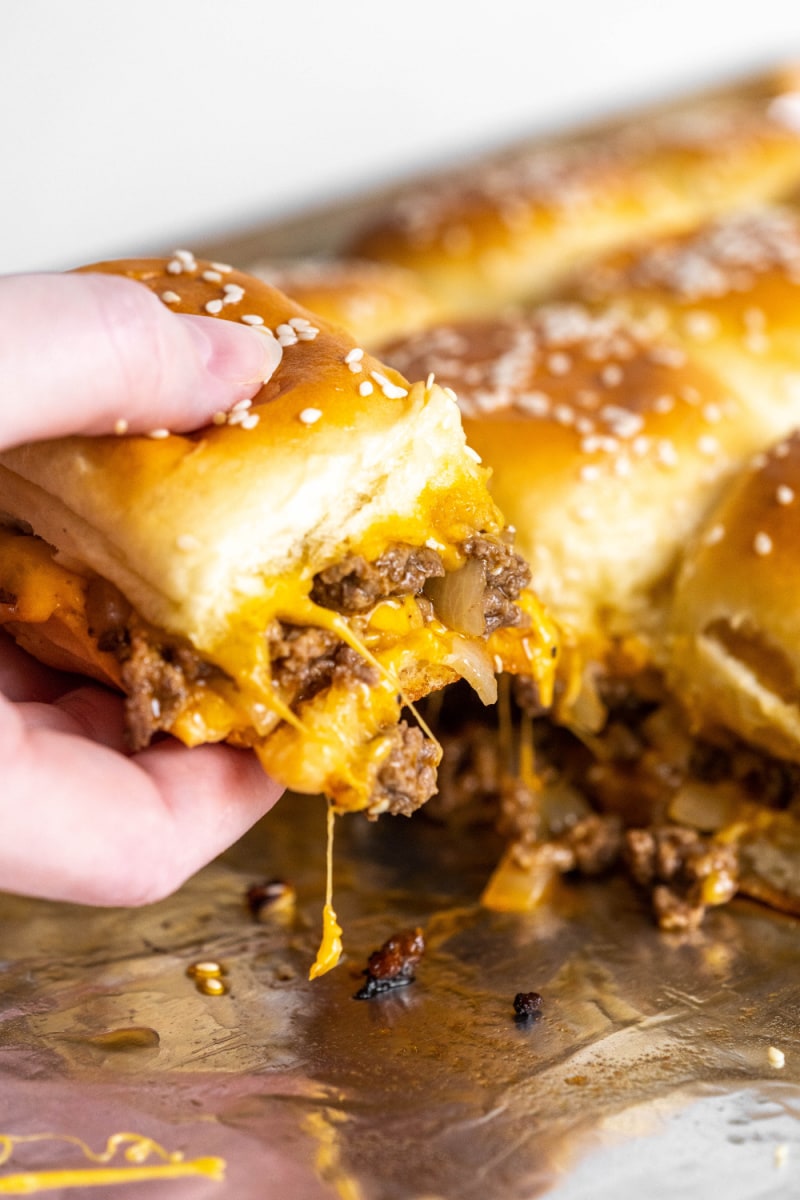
(197, 530)
(606, 444)
(507, 228)
(729, 293)
(734, 628)
(372, 301)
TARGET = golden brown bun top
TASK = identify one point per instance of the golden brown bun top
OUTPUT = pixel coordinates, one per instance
(606, 444)
(735, 654)
(336, 455)
(508, 227)
(372, 301)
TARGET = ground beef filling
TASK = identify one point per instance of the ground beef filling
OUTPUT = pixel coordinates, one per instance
(355, 586)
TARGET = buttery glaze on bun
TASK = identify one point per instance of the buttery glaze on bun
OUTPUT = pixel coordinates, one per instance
(372, 301)
(508, 228)
(607, 444)
(734, 645)
(262, 579)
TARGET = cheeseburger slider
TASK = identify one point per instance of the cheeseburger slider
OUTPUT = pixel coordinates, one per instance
(287, 578)
(613, 424)
(506, 229)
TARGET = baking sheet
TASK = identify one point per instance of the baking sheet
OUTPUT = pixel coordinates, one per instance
(647, 1074)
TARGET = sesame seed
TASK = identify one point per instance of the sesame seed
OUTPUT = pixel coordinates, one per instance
(365, 388)
(120, 427)
(158, 433)
(784, 494)
(354, 355)
(287, 339)
(622, 467)
(299, 323)
(187, 259)
(589, 473)
(611, 375)
(756, 343)
(211, 276)
(666, 453)
(213, 307)
(355, 367)
(714, 535)
(429, 382)
(701, 325)
(762, 544)
(307, 335)
(585, 426)
(251, 420)
(535, 403)
(708, 445)
(224, 268)
(241, 405)
(664, 404)
(309, 416)
(640, 445)
(712, 413)
(781, 450)
(250, 318)
(473, 454)
(232, 293)
(758, 461)
(174, 267)
(776, 1057)
(564, 414)
(391, 391)
(448, 391)
(170, 297)
(559, 364)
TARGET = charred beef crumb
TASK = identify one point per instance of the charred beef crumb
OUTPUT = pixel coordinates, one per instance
(7, 598)
(407, 776)
(527, 1007)
(506, 575)
(772, 782)
(684, 872)
(354, 585)
(392, 966)
(158, 681)
(709, 763)
(306, 659)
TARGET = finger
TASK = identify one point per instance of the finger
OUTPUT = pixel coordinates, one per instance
(22, 677)
(82, 353)
(90, 712)
(83, 823)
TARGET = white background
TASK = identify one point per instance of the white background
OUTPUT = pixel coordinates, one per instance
(128, 127)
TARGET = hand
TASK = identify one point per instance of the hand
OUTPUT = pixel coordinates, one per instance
(81, 819)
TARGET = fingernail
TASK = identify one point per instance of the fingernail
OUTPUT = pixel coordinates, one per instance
(234, 354)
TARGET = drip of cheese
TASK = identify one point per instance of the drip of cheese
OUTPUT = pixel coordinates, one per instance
(135, 1148)
(330, 949)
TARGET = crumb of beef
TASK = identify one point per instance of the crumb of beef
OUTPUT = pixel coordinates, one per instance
(305, 659)
(527, 1006)
(684, 872)
(158, 681)
(7, 599)
(407, 776)
(506, 575)
(595, 842)
(354, 585)
(393, 965)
